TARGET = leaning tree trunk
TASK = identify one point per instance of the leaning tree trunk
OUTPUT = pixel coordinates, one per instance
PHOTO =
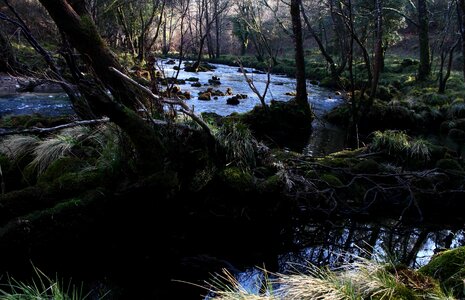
(461, 4)
(424, 70)
(83, 35)
(301, 90)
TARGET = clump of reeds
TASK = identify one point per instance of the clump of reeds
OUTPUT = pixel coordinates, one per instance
(362, 278)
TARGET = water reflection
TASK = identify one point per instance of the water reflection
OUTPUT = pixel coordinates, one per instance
(335, 243)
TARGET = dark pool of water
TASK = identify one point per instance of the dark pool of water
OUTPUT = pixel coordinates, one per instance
(335, 243)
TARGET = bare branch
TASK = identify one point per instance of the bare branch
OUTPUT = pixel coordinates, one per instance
(185, 108)
(37, 130)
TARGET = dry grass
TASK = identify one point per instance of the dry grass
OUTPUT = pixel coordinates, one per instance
(57, 146)
(227, 287)
(360, 279)
(17, 146)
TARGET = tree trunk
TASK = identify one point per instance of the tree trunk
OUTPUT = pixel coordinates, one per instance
(461, 4)
(444, 77)
(83, 35)
(335, 71)
(424, 70)
(301, 95)
(378, 59)
(218, 31)
(8, 61)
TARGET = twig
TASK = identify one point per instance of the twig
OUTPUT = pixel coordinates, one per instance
(59, 127)
(184, 107)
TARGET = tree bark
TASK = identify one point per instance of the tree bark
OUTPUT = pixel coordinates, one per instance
(301, 90)
(424, 70)
(335, 71)
(461, 5)
(444, 77)
(378, 59)
(8, 61)
(83, 35)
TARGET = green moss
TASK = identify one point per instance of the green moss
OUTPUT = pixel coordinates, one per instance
(449, 268)
(60, 167)
(34, 120)
(72, 183)
(331, 180)
(286, 124)
(272, 184)
(237, 179)
(347, 153)
(384, 93)
(338, 162)
(89, 29)
(368, 166)
(435, 99)
(340, 115)
(59, 208)
(329, 82)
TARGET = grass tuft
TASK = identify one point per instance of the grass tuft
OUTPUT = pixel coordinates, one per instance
(57, 146)
(42, 288)
(18, 146)
(239, 143)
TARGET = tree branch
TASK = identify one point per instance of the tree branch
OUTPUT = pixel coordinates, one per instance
(184, 107)
(37, 130)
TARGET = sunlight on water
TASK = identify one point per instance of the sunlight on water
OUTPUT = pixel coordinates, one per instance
(325, 138)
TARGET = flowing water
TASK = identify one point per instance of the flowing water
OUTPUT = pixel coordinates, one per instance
(324, 139)
(35, 103)
(327, 243)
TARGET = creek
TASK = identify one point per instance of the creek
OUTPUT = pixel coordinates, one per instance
(325, 138)
(200, 251)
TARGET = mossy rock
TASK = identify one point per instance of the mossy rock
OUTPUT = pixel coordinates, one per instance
(237, 179)
(384, 93)
(435, 99)
(452, 124)
(413, 284)
(348, 153)
(457, 109)
(449, 165)
(367, 166)
(329, 82)
(60, 167)
(273, 184)
(212, 118)
(340, 115)
(75, 183)
(389, 116)
(339, 162)
(285, 124)
(457, 136)
(407, 62)
(331, 180)
(437, 152)
(34, 120)
(449, 268)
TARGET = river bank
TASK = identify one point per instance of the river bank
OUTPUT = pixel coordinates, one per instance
(261, 197)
